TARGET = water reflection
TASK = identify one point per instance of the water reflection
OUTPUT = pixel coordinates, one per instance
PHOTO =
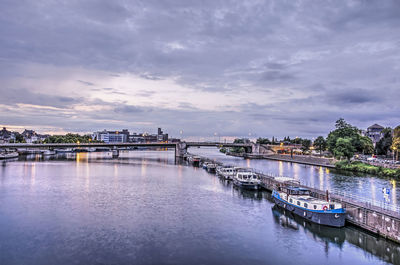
(167, 213)
(384, 249)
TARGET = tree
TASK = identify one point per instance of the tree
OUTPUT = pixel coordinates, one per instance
(383, 145)
(343, 129)
(263, 141)
(320, 144)
(344, 148)
(305, 145)
(366, 145)
(19, 138)
(396, 141)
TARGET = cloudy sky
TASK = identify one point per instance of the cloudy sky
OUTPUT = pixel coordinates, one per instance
(268, 68)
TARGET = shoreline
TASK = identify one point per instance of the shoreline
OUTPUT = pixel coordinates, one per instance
(305, 161)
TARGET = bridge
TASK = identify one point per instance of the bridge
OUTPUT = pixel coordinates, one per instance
(180, 147)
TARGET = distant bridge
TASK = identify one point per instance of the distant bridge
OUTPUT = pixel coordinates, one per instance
(180, 147)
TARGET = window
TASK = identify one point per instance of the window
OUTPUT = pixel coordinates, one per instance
(298, 203)
(291, 200)
(315, 207)
(305, 205)
(332, 206)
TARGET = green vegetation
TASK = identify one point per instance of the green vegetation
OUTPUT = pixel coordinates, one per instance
(358, 166)
(69, 138)
(263, 141)
(396, 141)
(305, 145)
(320, 144)
(346, 139)
(383, 145)
(238, 149)
(223, 150)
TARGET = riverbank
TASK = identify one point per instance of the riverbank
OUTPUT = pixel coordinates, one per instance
(357, 166)
(306, 160)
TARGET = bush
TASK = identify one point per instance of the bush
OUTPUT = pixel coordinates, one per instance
(358, 166)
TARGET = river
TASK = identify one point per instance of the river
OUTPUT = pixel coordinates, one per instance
(361, 186)
(142, 208)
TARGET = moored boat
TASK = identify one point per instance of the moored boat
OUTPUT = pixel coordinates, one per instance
(211, 168)
(226, 172)
(299, 201)
(64, 150)
(8, 155)
(204, 166)
(48, 152)
(195, 161)
(247, 179)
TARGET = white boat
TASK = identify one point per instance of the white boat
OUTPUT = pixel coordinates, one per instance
(247, 179)
(8, 155)
(48, 152)
(63, 150)
(226, 172)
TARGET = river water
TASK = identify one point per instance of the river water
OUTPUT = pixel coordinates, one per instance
(360, 186)
(142, 208)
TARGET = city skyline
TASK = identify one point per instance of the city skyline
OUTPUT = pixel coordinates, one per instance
(268, 68)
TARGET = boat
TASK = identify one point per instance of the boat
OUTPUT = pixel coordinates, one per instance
(8, 155)
(299, 201)
(226, 172)
(63, 150)
(204, 166)
(211, 168)
(48, 152)
(195, 160)
(247, 179)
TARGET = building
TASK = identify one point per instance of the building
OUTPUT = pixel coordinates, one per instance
(6, 136)
(111, 136)
(30, 136)
(374, 132)
(162, 137)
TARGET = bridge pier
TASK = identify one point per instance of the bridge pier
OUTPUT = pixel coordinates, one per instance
(255, 149)
(180, 149)
(115, 152)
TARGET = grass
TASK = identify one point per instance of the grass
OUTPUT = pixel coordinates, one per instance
(358, 166)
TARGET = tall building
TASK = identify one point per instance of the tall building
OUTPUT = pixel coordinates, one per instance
(162, 137)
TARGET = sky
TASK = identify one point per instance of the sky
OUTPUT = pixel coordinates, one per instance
(199, 67)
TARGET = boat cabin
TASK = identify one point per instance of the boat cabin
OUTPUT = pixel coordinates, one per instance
(296, 191)
(247, 176)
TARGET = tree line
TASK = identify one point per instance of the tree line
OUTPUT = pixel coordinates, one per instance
(343, 142)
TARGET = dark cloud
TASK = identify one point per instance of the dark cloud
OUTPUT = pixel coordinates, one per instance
(86, 83)
(297, 65)
(24, 96)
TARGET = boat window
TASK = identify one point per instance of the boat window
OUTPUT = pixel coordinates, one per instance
(298, 203)
(291, 200)
(315, 207)
(332, 206)
(254, 177)
(305, 205)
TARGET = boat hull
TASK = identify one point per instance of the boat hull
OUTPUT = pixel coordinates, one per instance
(244, 185)
(323, 218)
(211, 170)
